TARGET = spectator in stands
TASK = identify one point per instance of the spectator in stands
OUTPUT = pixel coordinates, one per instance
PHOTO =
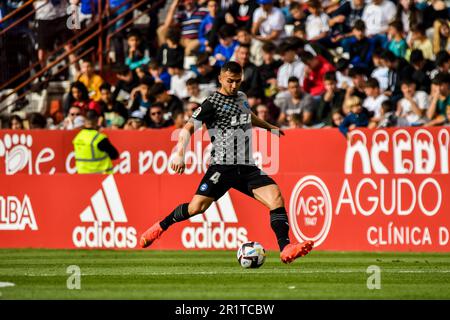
(135, 121)
(396, 42)
(252, 78)
(140, 99)
(189, 109)
(295, 101)
(113, 113)
(93, 150)
(91, 80)
(244, 37)
(225, 49)
(15, 122)
(408, 13)
(419, 40)
(399, 69)
(127, 81)
(356, 118)
(172, 50)
(240, 13)
(268, 22)
(51, 18)
(388, 117)
(421, 70)
(159, 74)
(344, 17)
(208, 27)
(440, 100)
(69, 121)
(342, 73)
(360, 47)
(337, 118)
(268, 70)
(332, 99)
(262, 112)
(178, 78)
(78, 96)
(207, 74)
(292, 66)
(380, 71)
(189, 17)
(170, 102)
(377, 15)
(194, 92)
(315, 70)
(294, 121)
(298, 15)
(36, 121)
(411, 109)
(156, 119)
(135, 55)
(442, 64)
(316, 24)
(374, 98)
(178, 119)
(441, 36)
(357, 88)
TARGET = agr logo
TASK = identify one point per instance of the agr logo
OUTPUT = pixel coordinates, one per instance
(310, 210)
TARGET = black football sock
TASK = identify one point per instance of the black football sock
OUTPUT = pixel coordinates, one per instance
(280, 225)
(180, 213)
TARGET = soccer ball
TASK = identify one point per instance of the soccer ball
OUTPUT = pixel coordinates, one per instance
(251, 255)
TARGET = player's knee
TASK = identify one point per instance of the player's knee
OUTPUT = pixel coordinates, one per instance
(197, 208)
(277, 201)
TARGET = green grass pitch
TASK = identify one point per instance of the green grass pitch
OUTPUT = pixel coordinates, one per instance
(148, 274)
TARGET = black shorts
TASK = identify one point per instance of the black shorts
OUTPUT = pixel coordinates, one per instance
(220, 178)
(51, 32)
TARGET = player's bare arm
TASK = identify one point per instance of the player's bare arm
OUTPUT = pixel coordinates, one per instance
(257, 122)
(177, 163)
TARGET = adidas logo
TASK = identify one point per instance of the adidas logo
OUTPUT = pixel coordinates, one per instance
(106, 210)
(213, 233)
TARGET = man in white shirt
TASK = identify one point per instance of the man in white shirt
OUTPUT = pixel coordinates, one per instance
(292, 66)
(178, 79)
(317, 22)
(268, 22)
(378, 15)
(412, 107)
(374, 98)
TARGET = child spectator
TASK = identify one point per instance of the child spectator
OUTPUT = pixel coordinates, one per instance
(178, 78)
(342, 73)
(91, 80)
(140, 99)
(171, 50)
(317, 67)
(337, 118)
(135, 121)
(135, 55)
(113, 113)
(412, 107)
(269, 68)
(357, 117)
(332, 99)
(419, 40)
(317, 22)
(440, 99)
(294, 121)
(374, 98)
(78, 96)
(15, 122)
(388, 117)
(297, 13)
(225, 49)
(127, 81)
(397, 44)
(158, 74)
(194, 92)
(244, 37)
(421, 70)
(360, 47)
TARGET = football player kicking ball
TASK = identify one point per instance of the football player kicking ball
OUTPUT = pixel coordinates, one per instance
(226, 114)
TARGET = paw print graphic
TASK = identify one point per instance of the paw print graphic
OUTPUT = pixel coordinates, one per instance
(15, 149)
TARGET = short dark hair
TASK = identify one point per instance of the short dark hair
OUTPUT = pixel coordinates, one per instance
(157, 105)
(37, 121)
(202, 59)
(306, 56)
(359, 25)
(407, 81)
(372, 83)
(192, 81)
(419, 28)
(157, 89)
(294, 5)
(442, 57)
(397, 25)
(342, 64)
(174, 35)
(14, 117)
(416, 56)
(105, 86)
(231, 66)
(330, 76)
(285, 47)
(388, 56)
(356, 71)
(269, 47)
(226, 31)
(293, 79)
(387, 105)
(92, 115)
(441, 78)
(123, 70)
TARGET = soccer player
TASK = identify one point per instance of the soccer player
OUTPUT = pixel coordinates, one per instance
(226, 114)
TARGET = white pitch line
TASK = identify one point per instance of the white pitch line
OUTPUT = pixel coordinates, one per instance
(6, 284)
(241, 272)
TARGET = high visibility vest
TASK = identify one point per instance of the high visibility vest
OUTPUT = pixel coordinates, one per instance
(88, 157)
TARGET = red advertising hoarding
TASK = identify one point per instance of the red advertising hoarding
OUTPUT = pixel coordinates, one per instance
(383, 190)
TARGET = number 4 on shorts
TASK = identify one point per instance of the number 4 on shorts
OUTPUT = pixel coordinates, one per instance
(215, 177)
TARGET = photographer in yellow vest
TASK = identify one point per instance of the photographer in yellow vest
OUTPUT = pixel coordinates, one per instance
(93, 150)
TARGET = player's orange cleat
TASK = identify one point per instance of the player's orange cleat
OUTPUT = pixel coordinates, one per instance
(149, 236)
(294, 251)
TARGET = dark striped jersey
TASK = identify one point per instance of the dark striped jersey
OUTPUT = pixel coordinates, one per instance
(229, 123)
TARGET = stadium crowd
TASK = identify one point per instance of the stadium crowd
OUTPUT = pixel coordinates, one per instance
(310, 64)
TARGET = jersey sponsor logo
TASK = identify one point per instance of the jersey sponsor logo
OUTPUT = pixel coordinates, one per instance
(218, 230)
(16, 214)
(106, 210)
(310, 210)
